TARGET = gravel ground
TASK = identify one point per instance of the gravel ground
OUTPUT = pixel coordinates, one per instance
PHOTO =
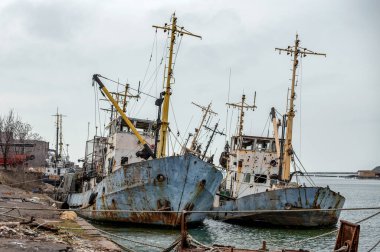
(47, 232)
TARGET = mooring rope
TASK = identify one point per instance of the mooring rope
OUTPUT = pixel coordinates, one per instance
(127, 239)
(195, 241)
(173, 245)
(124, 247)
(367, 218)
(196, 211)
(331, 232)
(374, 246)
(198, 243)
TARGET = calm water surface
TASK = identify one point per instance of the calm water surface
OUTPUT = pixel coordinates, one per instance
(358, 193)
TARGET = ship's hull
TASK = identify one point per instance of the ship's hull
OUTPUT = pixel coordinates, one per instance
(168, 184)
(284, 199)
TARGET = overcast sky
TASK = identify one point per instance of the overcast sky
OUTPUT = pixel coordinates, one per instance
(50, 49)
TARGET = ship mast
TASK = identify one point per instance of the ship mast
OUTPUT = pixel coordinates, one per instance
(56, 136)
(295, 51)
(241, 106)
(121, 98)
(174, 29)
(206, 111)
(214, 131)
(59, 136)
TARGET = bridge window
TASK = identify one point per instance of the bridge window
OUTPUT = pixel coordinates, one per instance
(247, 177)
(260, 178)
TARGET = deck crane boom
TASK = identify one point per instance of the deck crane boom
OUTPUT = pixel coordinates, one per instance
(146, 152)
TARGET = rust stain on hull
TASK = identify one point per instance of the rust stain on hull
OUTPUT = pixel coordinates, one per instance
(175, 183)
(285, 199)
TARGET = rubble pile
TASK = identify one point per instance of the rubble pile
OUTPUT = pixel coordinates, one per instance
(30, 221)
(7, 232)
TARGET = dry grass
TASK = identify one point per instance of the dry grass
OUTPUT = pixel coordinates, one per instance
(70, 226)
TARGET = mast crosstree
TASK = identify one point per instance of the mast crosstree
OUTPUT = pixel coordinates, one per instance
(241, 106)
(296, 51)
(206, 112)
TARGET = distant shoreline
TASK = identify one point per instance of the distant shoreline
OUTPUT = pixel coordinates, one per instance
(350, 173)
(339, 175)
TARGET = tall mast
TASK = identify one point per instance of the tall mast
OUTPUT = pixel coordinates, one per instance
(125, 98)
(241, 106)
(295, 51)
(56, 135)
(161, 150)
(206, 111)
(60, 136)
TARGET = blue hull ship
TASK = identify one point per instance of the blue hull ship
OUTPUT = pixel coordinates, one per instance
(129, 175)
(259, 182)
(170, 185)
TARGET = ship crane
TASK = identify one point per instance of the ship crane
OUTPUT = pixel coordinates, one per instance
(146, 152)
(296, 51)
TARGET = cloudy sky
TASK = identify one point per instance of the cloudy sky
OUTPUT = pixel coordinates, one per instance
(50, 49)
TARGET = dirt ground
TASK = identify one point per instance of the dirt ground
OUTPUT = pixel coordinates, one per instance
(37, 228)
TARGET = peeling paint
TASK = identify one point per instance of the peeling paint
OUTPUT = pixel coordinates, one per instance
(322, 198)
(173, 183)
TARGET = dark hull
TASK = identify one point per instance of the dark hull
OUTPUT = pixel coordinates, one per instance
(168, 184)
(285, 199)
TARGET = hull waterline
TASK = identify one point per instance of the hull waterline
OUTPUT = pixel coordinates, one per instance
(291, 199)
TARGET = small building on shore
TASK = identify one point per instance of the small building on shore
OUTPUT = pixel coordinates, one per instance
(29, 153)
(375, 173)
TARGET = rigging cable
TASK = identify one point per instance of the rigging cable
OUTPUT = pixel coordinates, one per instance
(150, 58)
(228, 101)
(175, 121)
(232, 115)
(265, 126)
(307, 174)
(278, 113)
(98, 110)
(155, 74)
(95, 117)
(156, 58)
(307, 177)
(186, 131)
(134, 89)
(295, 172)
(175, 138)
(171, 143)
(177, 51)
(300, 113)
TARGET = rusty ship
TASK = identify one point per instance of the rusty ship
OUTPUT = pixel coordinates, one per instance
(258, 186)
(128, 176)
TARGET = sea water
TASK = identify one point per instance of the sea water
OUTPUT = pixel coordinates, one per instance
(358, 193)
